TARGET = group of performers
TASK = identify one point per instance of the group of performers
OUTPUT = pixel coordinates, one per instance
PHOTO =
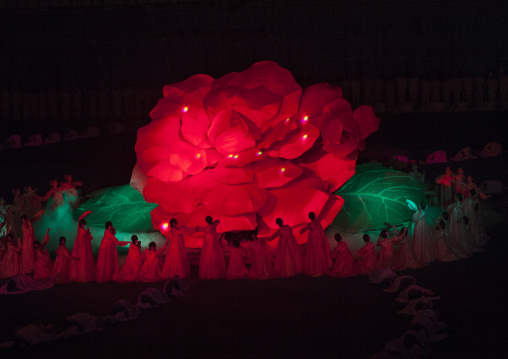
(451, 183)
(454, 235)
(30, 204)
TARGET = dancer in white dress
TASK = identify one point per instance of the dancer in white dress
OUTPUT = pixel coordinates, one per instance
(423, 246)
(457, 228)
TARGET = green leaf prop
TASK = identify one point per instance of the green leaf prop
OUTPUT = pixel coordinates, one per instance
(376, 195)
(123, 205)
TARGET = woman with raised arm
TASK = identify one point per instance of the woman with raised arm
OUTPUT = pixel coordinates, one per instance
(84, 269)
(317, 256)
(288, 259)
(132, 266)
(445, 183)
(211, 262)
(55, 194)
(69, 190)
(176, 262)
(152, 266)
(107, 261)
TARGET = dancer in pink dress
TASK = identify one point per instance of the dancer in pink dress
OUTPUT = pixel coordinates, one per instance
(446, 187)
(386, 257)
(27, 261)
(343, 265)
(176, 262)
(54, 196)
(211, 261)
(107, 260)
(152, 266)
(367, 261)
(10, 263)
(317, 257)
(236, 266)
(261, 267)
(288, 259)
(404, 257)
(132, 266)
(84, 269)
(62, 267)
(423, 245)
(43, 264)
(69, 190)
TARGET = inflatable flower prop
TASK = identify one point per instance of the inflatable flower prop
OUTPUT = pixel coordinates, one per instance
(248, 148)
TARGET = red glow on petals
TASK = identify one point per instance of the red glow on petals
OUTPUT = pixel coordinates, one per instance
(190, 162)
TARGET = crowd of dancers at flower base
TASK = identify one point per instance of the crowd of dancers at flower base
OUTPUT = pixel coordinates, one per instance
(455, 234)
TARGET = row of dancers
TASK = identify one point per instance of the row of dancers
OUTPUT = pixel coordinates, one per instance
(454, 235)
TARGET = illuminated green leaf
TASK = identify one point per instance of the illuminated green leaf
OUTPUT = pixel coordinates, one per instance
(376, 195)
(123, 205)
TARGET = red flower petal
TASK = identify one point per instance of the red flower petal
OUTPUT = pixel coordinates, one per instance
(273, 172)
(173, 197)
(367, 121)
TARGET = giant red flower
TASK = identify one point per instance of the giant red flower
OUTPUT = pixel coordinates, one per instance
(248, 148)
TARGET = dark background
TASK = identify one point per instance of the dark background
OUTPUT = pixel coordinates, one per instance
(72, 64)
(106, 45)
